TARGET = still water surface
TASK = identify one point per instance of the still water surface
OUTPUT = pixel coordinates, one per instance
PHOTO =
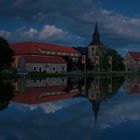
(99, 108)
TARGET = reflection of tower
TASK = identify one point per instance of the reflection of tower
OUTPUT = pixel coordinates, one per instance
(95, 108)
(110, 85)
(94, 95)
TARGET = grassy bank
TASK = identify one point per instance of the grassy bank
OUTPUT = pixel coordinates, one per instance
(70, 74)
(88, 74)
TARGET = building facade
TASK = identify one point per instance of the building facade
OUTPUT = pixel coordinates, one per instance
(49, 64)
(32, 49)
(132, 61)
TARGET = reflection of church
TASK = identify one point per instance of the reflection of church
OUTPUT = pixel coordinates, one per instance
(36, 91)
(96, 89)
(97, 93)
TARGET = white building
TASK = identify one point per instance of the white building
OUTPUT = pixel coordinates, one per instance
(49, 64)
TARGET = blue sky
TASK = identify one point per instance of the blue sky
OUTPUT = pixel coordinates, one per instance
(72, 22)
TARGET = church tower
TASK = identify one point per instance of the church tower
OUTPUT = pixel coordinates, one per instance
(96, 45)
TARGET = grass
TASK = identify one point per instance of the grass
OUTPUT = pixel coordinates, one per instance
(70, 74)
(88, 74)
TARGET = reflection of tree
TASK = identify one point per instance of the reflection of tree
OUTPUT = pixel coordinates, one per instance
(6, 93)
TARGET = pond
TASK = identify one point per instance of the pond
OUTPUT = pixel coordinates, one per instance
(97, 108)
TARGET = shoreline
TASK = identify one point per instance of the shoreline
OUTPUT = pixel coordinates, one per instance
(70, 74)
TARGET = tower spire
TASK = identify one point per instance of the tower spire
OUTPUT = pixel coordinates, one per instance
(96, 36)
(96, 27)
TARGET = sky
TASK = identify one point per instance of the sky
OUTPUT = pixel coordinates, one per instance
(72, 22)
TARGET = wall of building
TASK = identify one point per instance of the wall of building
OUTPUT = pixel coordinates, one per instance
(49, 68)
(131, 64)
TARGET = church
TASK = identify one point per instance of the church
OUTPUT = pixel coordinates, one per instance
(96, 46)
(95, 50)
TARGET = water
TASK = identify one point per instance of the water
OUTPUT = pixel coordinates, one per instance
(98, 108)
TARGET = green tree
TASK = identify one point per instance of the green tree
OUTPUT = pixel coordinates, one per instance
(6, 54)
(117, 60)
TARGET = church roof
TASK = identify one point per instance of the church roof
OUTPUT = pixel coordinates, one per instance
(96, 37)
(32, 47)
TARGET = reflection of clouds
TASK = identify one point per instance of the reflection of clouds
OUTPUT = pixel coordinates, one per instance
(69, 119)
(124, 110)
(31, 122)
(50, 107)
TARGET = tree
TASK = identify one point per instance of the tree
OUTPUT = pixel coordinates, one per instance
(6, 54)
(117, 60)
(6, 94)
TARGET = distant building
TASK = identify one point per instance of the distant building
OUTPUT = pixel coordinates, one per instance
(49, 64)
(24, 50)
(132, 61)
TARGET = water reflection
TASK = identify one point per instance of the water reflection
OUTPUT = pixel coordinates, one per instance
(132, 85)
(96, 90)
(6, 93)
(81, 108)
(35, 91)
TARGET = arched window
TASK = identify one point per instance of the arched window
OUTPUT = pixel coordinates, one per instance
(40, 69)
(35, 68)
(63, 68)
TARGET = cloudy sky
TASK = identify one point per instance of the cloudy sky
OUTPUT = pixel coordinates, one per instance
(71, 22)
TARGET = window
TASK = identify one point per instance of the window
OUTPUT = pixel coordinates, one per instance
(54, 68)
(35, 68)
(92, 51)
(63, 68)
(40, 69)
(40, 81)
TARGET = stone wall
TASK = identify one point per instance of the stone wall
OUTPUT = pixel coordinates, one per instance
(49, 68)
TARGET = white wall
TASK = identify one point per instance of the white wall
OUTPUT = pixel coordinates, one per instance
(49, 68)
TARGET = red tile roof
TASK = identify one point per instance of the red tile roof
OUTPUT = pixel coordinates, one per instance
(31, 47)
(135, 55)
(44, 59)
